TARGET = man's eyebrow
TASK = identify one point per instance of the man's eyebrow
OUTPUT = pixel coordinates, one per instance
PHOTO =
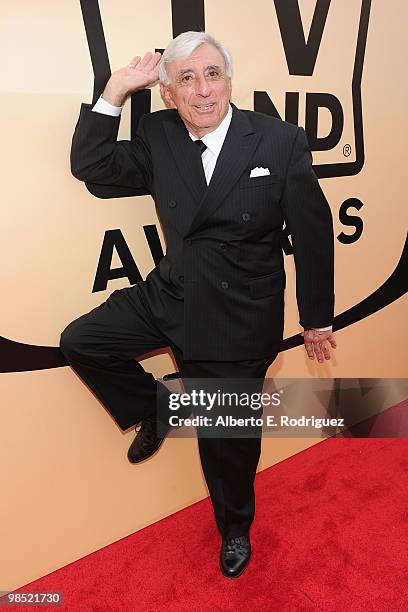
(186, 70)
(181, 72)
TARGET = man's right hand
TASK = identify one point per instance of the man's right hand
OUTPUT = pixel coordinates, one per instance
(138, 74)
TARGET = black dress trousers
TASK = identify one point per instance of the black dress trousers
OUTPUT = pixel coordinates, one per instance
(101, 346)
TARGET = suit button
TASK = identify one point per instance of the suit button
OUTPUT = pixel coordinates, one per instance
(189, 241)
(246, 216)
(181, 279)
(172, 203)
(224, 285)
(223, 245)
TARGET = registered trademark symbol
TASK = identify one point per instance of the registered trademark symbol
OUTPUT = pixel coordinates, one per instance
(347, 150)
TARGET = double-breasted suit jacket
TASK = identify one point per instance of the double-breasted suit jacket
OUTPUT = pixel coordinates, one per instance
(218, 292)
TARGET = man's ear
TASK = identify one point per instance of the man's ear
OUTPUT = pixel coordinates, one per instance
(166, 96)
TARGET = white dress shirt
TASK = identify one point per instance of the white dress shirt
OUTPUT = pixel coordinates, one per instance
(213, 141)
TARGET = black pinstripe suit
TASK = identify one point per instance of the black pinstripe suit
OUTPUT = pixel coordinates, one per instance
(217, 297)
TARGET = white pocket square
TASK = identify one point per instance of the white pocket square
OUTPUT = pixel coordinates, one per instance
(259, 172)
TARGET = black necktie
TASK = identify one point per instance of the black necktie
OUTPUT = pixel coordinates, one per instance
(201, 147)
(200, 144)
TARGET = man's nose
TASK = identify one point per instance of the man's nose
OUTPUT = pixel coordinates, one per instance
(203, 88)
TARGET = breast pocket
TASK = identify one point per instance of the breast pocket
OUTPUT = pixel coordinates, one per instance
(247, 182)
(269, 284)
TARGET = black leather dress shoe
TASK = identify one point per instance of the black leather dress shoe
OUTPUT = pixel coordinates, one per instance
(147, 442)
(235, 555)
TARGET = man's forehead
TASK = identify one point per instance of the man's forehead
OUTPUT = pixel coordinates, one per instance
(205, 56)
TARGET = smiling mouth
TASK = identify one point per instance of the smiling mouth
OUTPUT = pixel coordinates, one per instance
(204, 107)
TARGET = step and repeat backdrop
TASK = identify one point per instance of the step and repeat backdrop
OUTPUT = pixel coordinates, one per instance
(337, 69)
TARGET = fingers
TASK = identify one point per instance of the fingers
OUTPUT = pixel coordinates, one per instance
(156, 57)
(316, 344)
(134, 61)
(325, 350)
(332, 341)
(145, 60)
(153, 65)
(309, 345)
(318, 350)
(149, 61)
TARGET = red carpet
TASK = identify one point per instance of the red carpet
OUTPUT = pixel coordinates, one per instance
(331, 533)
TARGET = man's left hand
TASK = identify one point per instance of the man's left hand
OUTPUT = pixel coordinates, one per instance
(316, 343)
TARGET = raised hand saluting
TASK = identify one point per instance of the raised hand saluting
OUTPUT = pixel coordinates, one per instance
(140, 73)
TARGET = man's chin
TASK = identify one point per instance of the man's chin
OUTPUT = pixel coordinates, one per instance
(206, 122)
(198, 122)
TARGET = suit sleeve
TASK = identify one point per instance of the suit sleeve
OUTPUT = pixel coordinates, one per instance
(98, 157)
(309, 220)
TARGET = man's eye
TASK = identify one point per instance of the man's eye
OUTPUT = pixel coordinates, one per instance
(187, 78)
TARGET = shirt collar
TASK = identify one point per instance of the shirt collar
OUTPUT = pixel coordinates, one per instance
(215, 139)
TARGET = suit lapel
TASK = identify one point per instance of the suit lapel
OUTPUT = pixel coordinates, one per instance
(237, 150)
(186, 156)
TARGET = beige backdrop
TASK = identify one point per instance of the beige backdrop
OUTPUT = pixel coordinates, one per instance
(67, 487)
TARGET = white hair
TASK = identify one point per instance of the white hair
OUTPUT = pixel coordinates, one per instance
(184, 45)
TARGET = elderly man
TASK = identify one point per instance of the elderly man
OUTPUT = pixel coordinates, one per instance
(224, 182)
